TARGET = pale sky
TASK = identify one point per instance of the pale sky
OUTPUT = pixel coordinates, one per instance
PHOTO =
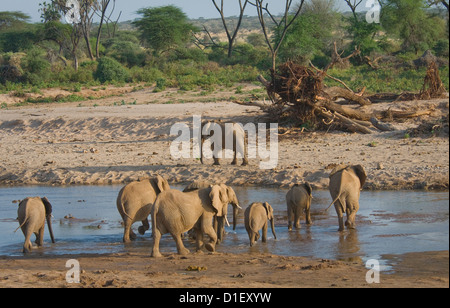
(193, 8)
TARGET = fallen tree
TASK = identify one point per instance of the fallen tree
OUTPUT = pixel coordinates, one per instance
(299, 94)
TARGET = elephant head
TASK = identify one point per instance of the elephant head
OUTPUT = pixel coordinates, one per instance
(269, 211)
(221, 195)
(48, 215)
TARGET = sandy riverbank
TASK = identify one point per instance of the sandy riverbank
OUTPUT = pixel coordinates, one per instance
(62, 144)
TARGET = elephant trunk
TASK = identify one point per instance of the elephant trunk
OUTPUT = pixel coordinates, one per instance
(272, 225)
(50, 229)
(235, 214)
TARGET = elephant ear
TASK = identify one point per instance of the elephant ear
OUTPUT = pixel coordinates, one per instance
(160, 183)
(47, 205)
(361, 173)
(308, 188)
(216, 199)
(269, 210)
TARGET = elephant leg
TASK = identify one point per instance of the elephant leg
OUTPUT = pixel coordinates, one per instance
(27, 246)
(308, 215)
(145, 226)
(156, 240)
(340, 214)
(198, 238)
(290, 217)
(209, 230)
(40, 237)
(216, 161)
(127, 232)
(179, 242)
(297, 217)
(245, 158)
(264, 233)
(351, 216)
(234, 162)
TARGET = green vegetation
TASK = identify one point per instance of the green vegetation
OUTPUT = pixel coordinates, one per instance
(165, 49)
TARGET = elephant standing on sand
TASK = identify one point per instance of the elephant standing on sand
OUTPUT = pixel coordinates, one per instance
(346, 183)
(32, 213)
(176, 212)
(298, 199)
(256, 217)
(229, 131)
(135, 202)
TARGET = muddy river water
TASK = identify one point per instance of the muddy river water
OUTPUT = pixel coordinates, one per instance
(86, 220)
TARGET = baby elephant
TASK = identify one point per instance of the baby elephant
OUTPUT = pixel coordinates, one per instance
(32, 213)
(255, 218)
(298, 199)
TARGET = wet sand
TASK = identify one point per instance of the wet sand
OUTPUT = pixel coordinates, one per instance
(221, 270)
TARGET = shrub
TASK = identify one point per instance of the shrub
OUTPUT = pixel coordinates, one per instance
(109, 69)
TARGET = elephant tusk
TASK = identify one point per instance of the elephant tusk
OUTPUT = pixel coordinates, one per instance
(237, 205)
(226, 221)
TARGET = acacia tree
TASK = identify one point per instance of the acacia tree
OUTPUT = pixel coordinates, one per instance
(164, 28)
(231, 35)
(409, 19)
(282, 25)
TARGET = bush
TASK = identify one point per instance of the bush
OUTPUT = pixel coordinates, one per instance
(109, 69)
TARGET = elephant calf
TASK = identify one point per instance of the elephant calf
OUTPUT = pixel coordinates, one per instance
(346, 183)
(256, 217)
(135, 202)
(32, 213)
(298, 199)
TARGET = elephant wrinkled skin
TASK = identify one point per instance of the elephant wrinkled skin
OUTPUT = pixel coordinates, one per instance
(135, 203)
(346, 183)
(176, 212)
(256, 217)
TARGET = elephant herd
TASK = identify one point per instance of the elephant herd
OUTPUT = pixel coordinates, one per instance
(201, 209)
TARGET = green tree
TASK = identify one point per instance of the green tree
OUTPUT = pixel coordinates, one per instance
(164, 28)
(312, 33)
(410, 21)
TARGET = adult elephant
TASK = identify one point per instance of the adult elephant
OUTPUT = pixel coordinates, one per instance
(135, 203)
(346, 183)
(298, 199)
(230, 131)
(176, 212)
(32, 213)
(219, 221)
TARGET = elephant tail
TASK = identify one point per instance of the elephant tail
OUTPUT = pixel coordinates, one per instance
(26, 219)
(123, 209)
(336, 199)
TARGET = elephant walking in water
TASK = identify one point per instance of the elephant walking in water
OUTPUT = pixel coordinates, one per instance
(32, 213)
(298, 199)
(135, 203)
(256, 217)
(346, 183)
